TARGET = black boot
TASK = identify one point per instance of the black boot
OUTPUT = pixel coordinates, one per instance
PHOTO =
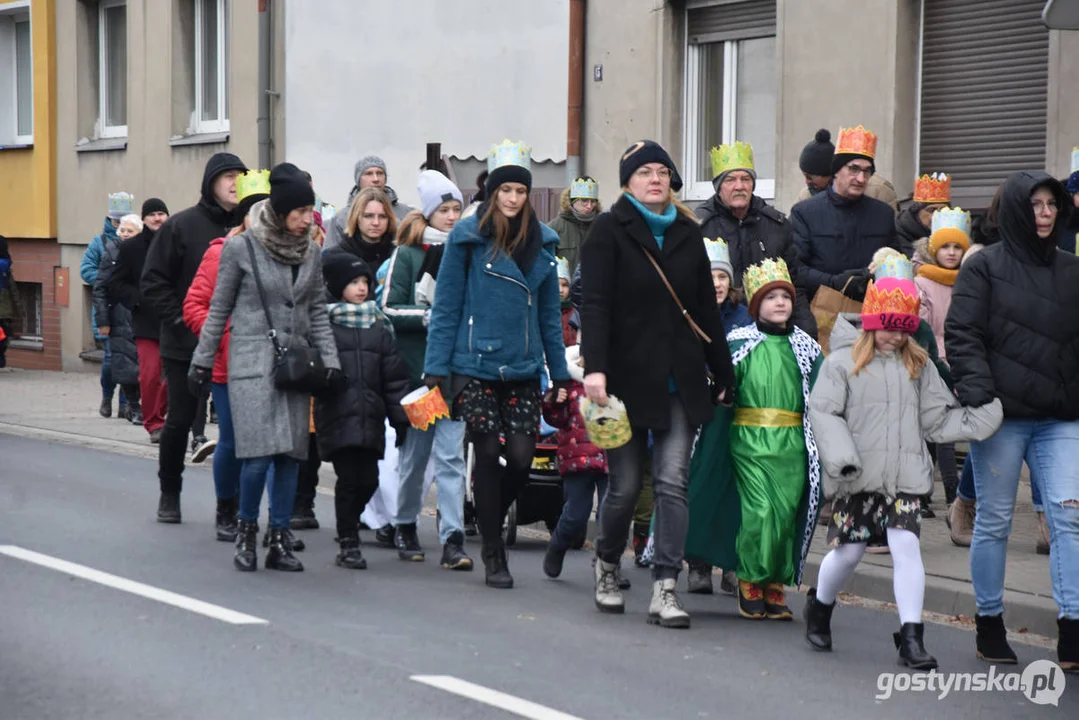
(553, 559)
(303, 518)
(818, 617)
(386, 537)
(247, 534)
(105, 409)
(294, 543)
(1068, 644)
(350, 556)
(168, 508)
(408, 543)
(496, 565)
(280, 556)
(226, 519)
(992, 640)
(134, 413)
(912, 652)
(454, 556)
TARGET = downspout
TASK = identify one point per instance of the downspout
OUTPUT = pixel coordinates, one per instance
(576, 90)
(265, 84)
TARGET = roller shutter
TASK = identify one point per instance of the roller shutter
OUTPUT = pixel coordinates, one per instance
(712, 22)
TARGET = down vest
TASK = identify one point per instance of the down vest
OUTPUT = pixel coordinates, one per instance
(1013, 328)
(871, 427)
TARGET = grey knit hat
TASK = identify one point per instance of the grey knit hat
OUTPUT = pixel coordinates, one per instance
(368, 161)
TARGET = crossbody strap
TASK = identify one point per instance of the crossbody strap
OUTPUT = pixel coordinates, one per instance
(272, 334)
(685, 313)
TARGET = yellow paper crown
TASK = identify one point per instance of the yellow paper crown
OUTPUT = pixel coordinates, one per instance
(856, 141)
(935, 188)
(765, 273)
(738, 156)
(252, 182)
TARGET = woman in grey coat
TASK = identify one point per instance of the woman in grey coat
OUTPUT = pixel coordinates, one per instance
(271, 425)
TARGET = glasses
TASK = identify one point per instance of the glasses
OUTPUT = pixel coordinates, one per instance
(646, 174)
(857, 170)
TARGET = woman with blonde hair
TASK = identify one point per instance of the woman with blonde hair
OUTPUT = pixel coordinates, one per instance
(370, 227)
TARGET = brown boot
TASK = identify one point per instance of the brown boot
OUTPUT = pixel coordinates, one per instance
(1043, 535)
(961, 519)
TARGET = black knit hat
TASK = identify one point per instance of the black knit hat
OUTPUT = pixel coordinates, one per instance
(505, 174)
(641, 153)
(289, 189)
(816, 157)
(152, 205)
(340, 267)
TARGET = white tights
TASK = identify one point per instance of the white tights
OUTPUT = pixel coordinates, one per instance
(908, 573)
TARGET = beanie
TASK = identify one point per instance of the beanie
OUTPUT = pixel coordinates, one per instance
(366, 162)
(641, 153)
(505, 174)
(340, 267)
(816, 157)
(152, 205)
(435, 189)
(289, 189)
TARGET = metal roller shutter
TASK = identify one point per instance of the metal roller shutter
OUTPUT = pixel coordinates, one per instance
(720, 21)
(985, 74)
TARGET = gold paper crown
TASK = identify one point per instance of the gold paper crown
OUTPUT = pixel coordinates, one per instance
(252, 182)
(765, 273)
(897, 301)
(856, 141)
(738, 156)
(935, 188)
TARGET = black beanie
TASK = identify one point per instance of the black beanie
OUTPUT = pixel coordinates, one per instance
(340, 267)
(289, 189)
(644, 152)
(816, 157)
(841, 159)
(508, 173)
(153, 205)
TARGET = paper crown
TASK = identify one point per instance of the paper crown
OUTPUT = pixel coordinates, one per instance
(856, 141)
(584, 189)
(563, 268)
(254, 182)
(738, 156)
(120, 204)
(765, 273)
(935, 188)
(608, 427)
(891, 304)
(718, 253)
(1075, 159)
(949, 225)
(894, 266)
(509, 153)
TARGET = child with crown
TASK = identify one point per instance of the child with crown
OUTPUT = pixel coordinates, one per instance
(876, 402)
(755, 477)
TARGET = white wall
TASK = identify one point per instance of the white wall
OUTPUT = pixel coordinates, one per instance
(385, 78)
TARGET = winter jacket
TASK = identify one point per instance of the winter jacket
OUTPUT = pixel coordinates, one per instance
(124, 285)
(335, 233)
(374, 254)
(835, 234)
(871, 428)
(631, 328)
(572, 230)
(91, 262)
(10, 305)
(399, 304)
(877, 187)
(734, 315)
(576, 452)
(936, 298)
(571, 322)
(266, 421)
(763, 233)
(175, 254)
(108, 309)
(490, 320)
(1013, 328)
(197, 306)
(909, 229)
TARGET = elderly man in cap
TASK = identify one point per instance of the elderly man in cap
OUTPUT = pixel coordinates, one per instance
(370, 172)
(815, 162)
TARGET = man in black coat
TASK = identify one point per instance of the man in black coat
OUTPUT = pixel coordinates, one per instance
(171, 263)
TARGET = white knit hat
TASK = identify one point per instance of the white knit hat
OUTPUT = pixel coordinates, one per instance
(435, 189)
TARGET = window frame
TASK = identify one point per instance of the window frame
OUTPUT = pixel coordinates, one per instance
(221, 124)
(36, 290)
(104, 130)
(16, 13)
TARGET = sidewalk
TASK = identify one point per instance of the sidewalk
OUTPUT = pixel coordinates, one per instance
(63, 407)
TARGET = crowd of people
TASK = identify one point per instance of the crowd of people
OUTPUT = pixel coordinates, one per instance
(697, 334)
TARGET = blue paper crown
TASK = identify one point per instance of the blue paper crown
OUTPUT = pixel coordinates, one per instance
(1075, 159)
(583, 189)
(894, 266)
(953, 217)
(509, 153)
(563, 268)
(718, 251)
(121, 204)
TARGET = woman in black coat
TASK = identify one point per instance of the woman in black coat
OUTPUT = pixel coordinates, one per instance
(638, 344)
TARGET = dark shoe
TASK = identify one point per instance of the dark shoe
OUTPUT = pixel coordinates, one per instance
(751, 601)
(202, 448)
(927, 512)
(245, 558)
(134, 413)
(1068, 644)
(226, 520)
(303, 519)
(912, 652)
(408, 544)
(121, 412)
(992, 640)
(280, 556)
(728, 583)
(699, 578)
(168, 508)
(349, 556)
(818, 618)
(640, 542)
(294, 543)
(621, 580)
(386, 537)
(775, 603)
(454, 556)
(497, 566)
(105, 410)
(553, 559)
(155, 437)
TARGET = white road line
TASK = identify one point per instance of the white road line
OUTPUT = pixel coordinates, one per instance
(494, 698)
(135, 588)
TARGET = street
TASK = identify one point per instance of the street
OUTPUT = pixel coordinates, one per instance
(350, 644)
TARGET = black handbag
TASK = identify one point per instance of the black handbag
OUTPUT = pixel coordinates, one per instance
(299, 369)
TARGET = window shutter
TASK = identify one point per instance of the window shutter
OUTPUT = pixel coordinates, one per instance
(721, 21)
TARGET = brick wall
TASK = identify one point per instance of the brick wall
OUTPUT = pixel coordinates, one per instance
(33, 262)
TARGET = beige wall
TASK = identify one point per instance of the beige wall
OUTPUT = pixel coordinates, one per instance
(1063, 110)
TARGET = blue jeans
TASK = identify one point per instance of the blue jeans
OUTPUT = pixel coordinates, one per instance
(967, 492)
(446, 441)
(107, 385)
(1051, 451)
(227, 467)
(253, 477)
(578, 489)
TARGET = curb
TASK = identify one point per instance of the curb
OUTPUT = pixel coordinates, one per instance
(87, 441)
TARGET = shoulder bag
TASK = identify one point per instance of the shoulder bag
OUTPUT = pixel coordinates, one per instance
(685, 313)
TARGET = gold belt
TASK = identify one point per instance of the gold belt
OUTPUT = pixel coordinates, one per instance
(767, 417)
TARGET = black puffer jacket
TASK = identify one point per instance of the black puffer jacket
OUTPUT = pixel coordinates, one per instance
(125, 356)
(763, 233)
(1013, 328)
(124, 285)
(909, 228)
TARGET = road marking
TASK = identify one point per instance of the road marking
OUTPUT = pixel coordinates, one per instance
(135, 588)
(494, 698)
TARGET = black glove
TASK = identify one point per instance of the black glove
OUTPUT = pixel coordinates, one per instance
(402, 432)
(433, 380)
(336, 382)
(852, 283)
(715, 390)
(197, 380)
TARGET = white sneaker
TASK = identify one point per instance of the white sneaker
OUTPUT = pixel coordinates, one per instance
(201, 449)
(666, 609)
(608, 596)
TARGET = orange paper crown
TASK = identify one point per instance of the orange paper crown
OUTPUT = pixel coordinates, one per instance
(856, 141)
(935, 188)
(891, 304)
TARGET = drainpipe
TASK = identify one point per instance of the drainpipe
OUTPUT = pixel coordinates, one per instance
(576, 90)
(265, 84)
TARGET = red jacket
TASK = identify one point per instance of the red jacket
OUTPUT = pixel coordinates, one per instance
(576, 453)
(197, 306)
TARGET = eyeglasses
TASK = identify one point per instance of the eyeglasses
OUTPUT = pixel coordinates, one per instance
(646, 174)
(857, 170)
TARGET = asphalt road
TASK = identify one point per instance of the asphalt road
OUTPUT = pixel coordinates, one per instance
(330, 643)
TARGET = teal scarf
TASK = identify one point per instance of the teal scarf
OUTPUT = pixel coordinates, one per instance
(657, 224)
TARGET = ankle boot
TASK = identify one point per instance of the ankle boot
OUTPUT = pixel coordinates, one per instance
(280, 556)
(961, 522)
(247, 534)
(992, 640)
(818, 617)
(350, 556)
(294, 543)
(226, 519)
(912, 652)
(496, 565)
(640, 542)
(1068, 644)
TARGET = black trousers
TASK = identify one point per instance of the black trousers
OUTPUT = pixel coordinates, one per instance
(183, 409)
(306, 488)
(494, 488)
(357, 481)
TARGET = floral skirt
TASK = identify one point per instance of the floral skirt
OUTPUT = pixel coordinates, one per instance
(866, 517)
(498, 407)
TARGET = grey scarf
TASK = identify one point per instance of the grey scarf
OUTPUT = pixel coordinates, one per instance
(282, 247)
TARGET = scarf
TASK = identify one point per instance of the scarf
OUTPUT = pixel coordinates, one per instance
(361, 316)
(938, 274)
(657, 224)
(432, 236)
(283, 247)
(582, 218)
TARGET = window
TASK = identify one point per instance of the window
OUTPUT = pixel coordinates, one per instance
(16, 75)
(28, 327)
(112, 68)
(211, 112)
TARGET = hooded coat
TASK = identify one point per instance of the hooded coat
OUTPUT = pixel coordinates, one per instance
(1013, 328)
(107, 308)
(175, 254)
(572, 230)
(91, 262)
(124, 285)
(909, 228)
